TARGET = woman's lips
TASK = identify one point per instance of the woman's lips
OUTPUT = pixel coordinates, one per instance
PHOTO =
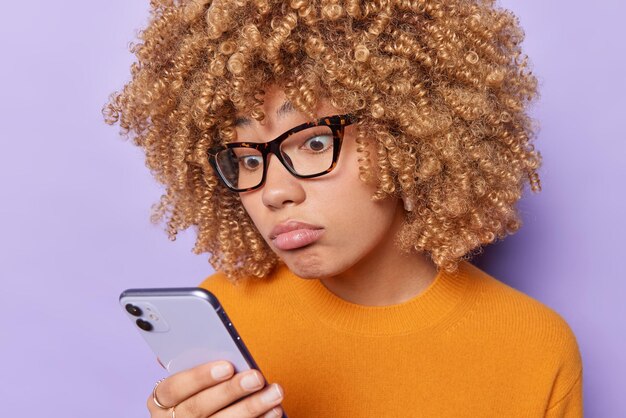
(297, 238)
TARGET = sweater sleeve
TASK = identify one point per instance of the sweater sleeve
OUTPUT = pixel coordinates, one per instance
(566, 399)
(570, 405)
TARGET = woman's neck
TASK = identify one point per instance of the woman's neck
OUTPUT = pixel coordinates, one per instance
(386, 276)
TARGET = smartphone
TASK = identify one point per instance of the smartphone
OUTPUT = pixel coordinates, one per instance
(185, 327)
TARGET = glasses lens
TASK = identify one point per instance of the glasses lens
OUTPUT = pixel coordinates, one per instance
(309, 151)
(241, 168)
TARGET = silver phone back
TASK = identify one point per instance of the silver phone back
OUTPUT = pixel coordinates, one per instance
(189, 328)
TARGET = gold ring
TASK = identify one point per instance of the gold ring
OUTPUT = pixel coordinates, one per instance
(154, 397)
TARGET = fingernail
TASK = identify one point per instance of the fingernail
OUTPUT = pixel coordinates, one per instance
(273, 413)
(220, 371)
(251, 381)
(272, 394)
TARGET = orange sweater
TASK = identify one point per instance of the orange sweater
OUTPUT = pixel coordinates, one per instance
(468, 346)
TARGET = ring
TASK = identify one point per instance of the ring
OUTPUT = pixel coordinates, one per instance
(174, 411)
(156, 401)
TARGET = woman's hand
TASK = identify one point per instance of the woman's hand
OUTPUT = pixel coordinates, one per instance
(211, 390)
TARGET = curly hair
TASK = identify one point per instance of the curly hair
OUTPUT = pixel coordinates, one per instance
(440, 88)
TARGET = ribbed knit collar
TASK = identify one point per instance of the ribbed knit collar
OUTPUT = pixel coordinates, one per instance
(447, 298)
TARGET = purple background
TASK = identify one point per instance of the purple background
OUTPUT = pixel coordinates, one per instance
(76, 199)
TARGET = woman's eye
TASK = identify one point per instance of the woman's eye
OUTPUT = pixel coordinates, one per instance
(250, 163)
(318, 143)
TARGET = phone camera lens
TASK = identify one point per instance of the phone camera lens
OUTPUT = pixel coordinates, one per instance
(133, 310)
(144, 325)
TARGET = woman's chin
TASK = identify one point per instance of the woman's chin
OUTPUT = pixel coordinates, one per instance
(308, 264)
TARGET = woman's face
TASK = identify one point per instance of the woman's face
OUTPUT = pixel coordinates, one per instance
(344, 225)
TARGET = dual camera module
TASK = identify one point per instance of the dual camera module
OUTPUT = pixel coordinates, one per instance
(136, 311)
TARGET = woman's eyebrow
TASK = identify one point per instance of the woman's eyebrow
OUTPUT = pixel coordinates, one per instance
(283, 110)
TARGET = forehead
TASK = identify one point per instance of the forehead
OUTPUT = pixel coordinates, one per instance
(279, 109)
(283, 110)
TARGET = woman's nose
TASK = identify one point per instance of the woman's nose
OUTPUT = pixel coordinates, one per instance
(281, 188)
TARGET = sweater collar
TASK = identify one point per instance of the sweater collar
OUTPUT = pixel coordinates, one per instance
(444, 300)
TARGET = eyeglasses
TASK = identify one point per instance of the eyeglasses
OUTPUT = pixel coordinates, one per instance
(307, 150)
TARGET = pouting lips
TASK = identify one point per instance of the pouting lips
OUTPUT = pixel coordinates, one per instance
(291, 226)
(297, 238)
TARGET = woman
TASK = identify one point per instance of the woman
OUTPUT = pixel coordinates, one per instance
(341, 161)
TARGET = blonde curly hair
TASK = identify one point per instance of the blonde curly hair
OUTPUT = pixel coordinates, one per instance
(440, 89)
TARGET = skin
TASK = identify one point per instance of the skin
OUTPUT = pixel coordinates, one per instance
(356, 258)
(198, 392)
